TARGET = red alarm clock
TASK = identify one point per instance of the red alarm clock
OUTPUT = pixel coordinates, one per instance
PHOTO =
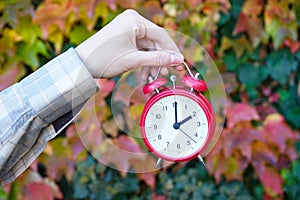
(177, 122)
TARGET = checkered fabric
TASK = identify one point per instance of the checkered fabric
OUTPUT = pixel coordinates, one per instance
(29, 108)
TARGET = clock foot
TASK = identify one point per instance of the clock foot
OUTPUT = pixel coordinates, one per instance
(201, 160)
(158, 163)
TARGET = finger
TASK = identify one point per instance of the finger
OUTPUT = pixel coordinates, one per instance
(144, 73)
(155, 58)
(157, 34)
(147, 45)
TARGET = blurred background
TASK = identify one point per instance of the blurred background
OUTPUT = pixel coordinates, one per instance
(255, 45)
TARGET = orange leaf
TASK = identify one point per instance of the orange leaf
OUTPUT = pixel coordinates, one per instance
(253, 7)
(237, 112)
(193, 3)
(128, 3)
(262, 155)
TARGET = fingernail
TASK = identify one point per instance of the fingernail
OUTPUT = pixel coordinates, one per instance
(176, 58)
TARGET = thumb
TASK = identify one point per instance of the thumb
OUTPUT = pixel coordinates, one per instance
(160, 58)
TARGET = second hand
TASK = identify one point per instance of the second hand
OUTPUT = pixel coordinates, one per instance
(187, 135)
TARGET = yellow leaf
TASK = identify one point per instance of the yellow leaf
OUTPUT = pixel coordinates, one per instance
(56, 37)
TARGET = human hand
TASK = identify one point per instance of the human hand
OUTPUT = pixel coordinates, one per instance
(129, 41)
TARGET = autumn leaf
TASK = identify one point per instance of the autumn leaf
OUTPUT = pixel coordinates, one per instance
(14, 11)
(145, 168)
(51, 13)
(253, 7)
(239, 46)
(8, 41)
(110, 128)
(272, 181)
(39, 191)
(238, 112)
(249, 21)
(277, 132)
(280, 23)
(127, 4)
(60, 161)
(13, 72)
(78, 149)
(119, 152)
(293, 45)
(214, 6)
(262, 155)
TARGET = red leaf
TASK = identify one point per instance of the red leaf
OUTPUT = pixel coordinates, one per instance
(39, 191)
(237, 112)
(240, 138)
(59, 160)
(277, 132)
(106, 86)
(293, 45)
(241, 24)
(158, 197)
(120, 152)
(193, 3)
(10, 76)
(249, 21)
(146, 165)
(148, 177)
(272, 181)
(262, 155)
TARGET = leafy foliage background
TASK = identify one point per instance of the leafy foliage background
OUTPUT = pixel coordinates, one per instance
(255, 44)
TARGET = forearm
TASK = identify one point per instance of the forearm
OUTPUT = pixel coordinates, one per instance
(30, 110)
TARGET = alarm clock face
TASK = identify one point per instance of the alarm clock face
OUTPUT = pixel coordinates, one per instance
(175, 126)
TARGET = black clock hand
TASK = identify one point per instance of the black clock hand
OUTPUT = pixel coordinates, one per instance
(187, 135)
(176, 125)
(185, 120)
(175, 105)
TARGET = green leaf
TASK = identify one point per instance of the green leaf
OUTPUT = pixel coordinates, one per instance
(252, 75)
(297, 12)
(296, 170)
(28, 31)
(29, 53)
(3, 194)
(16, 10)
(79, 34)
(297, 55)
(289, 107)
(230, 61)
(280, 65)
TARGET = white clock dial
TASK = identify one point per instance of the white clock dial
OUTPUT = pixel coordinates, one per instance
(176, 127)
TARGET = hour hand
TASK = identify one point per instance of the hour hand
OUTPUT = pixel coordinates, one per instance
(185, 120)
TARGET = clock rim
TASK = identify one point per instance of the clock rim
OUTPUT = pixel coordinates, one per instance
(199, 99)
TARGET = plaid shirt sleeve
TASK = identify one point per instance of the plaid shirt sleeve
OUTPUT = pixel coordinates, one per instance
(30, 108)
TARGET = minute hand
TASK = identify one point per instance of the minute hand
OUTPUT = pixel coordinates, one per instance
(185, 120)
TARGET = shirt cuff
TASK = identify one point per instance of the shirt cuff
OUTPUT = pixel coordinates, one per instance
(59, 86)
